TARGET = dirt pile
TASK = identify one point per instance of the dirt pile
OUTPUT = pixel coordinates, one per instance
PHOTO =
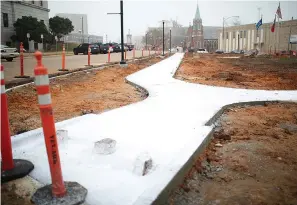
(250, 160)
(249, 73)
(76, 94)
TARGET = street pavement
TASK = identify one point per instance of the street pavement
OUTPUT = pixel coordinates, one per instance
(53, 63)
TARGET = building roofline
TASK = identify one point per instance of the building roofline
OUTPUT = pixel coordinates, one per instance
(264, 25)
(32, 5)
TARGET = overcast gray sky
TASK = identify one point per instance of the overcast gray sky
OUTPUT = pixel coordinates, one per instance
(140, 14)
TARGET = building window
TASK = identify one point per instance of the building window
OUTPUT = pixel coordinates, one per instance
(42, 21)
(5, 19)
(241, 34)
(41, 3)
(33, 2)
(233, 34)
(244, 34)
(227, 35)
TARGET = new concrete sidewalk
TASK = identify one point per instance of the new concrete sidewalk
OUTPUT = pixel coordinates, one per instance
(169, 126)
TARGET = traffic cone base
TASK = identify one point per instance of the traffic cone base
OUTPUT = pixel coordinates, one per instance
(21, 168)
(61, 69)
(76, 194)
(24, 76)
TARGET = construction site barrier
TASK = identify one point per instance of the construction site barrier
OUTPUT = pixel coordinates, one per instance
(11, 169)
(108, 56)
(58, 186)
(22, 75)
(89, 56)
(63, 58)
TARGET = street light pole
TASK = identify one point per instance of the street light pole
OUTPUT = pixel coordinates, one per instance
(163, 38)
(223, 43)
(146, 41)
(122, 62)
(224, 19)
(82, 28)
(170, 41)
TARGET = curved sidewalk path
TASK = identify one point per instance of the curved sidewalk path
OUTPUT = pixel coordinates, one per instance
(169, 125)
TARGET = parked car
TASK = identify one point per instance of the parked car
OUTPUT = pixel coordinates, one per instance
(130, 47)
(103, 47)
(252, 52)
(117, 48)
(83, 48)
(219, 51)
(8, 53)
(202, 50)
(237, 52)
(125, 48)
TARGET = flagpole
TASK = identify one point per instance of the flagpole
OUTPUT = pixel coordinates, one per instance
(290, 35)
(278, 30)
(274, 36)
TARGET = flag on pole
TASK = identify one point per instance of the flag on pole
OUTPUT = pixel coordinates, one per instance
(259, 24)
(273, 25)
(279, 12)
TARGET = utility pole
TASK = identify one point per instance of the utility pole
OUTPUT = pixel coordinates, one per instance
(163, 38)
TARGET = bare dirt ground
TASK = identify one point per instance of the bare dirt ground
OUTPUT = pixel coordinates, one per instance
(76, 94)
(251, 160)
(250, 73)
(73, 95)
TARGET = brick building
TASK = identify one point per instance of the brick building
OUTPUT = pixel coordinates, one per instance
(199, 36)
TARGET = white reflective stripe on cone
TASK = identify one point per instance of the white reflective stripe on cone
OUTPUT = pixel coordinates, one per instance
(41, 80)
(44, 99)
(2, 75)
(2, 89)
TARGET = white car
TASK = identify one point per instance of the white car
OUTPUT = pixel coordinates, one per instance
(202, 50)
(9, 53)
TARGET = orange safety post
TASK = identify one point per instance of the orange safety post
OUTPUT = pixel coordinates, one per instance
(6, 150)
(50, 137)
(22, 63)
(11, 169)
(63, 59)
(108, 58)
(89, 55)
(133, 52)
(48, 124)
